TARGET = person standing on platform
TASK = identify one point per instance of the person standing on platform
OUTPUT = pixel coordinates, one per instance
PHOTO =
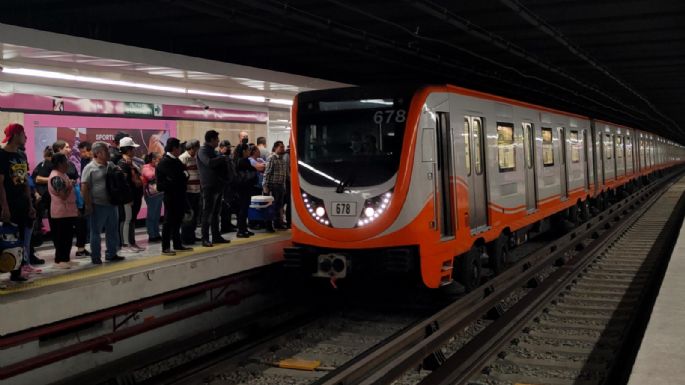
(114, 152)
(153, 197)
(243, 138)
(97, 204)
(274, 184)
(263, 151)
(41, 173)
(86, 154)
(62, 147)
(212, 166)
(189, 159)
(63, 210)
(247, 178)
(15, 196)
(130, 210)
(229, 193)
(172, 179)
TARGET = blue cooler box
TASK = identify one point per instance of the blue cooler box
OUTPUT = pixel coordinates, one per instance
(261, 208)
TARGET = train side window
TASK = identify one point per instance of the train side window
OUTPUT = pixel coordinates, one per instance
(478, 146)
(528, 143)
(467, 147)
(619, 146)
(547, 147)
(575, 146)
(505, 147)
(608, 146)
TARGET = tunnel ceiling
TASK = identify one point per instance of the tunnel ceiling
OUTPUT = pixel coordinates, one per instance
(617, 60)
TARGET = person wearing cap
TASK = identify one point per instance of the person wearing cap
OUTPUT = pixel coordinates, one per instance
(114, 152)
(129, 211)
(211, 166)
(15, 196)
(189, 159)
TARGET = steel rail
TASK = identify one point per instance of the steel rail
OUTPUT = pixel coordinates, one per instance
(391, 358)
(468, 361)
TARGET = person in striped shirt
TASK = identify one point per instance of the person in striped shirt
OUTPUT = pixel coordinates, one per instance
(189, 159)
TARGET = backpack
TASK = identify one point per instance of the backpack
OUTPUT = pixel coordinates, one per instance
(118, 188)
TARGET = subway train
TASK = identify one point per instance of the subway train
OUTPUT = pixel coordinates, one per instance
(434, 183)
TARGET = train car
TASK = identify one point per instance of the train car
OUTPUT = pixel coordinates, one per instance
(433, 182)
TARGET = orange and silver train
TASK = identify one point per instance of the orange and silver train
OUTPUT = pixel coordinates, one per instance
(435, 182)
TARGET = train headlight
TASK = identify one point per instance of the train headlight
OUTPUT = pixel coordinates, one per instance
(374, 208)
(316, 208)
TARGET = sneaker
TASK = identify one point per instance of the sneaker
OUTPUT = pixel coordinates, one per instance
(137, 248)
(30, 270)
(83, 253)
(62, 265)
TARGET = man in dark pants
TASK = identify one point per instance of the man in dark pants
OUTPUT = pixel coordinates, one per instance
(15, 196)
(193, 195)
(172, 178)
(212, 167)
(274, 184)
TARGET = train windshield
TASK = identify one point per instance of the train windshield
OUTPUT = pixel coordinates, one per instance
(350, 142)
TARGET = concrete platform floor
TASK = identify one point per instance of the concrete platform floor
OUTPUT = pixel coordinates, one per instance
(661, 359)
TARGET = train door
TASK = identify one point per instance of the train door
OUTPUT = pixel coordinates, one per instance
(563, 180)
(529, 156)
(445, 174)
(602, 150)
(586, 161)
(478, 197)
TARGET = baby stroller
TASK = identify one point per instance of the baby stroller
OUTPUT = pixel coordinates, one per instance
(11, 248)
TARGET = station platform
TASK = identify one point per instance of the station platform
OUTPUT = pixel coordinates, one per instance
(662, 351)
(56, 294)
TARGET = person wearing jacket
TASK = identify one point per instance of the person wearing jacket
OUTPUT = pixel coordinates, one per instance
(212, 167)
(63, 210)
(247, 177)
(172, 179)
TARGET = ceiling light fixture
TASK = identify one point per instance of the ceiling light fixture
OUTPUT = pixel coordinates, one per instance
(147, 86)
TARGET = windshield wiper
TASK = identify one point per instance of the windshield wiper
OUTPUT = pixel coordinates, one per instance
(346, 182)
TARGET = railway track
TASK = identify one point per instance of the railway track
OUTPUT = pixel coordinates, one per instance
(557, 316)
(575, 295)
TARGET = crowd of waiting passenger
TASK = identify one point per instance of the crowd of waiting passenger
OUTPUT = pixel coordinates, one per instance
(195, 185)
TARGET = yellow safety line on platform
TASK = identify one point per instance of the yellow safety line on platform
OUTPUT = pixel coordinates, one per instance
(106, 268)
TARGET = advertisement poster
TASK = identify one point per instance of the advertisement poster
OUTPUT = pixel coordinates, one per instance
(44, 130)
